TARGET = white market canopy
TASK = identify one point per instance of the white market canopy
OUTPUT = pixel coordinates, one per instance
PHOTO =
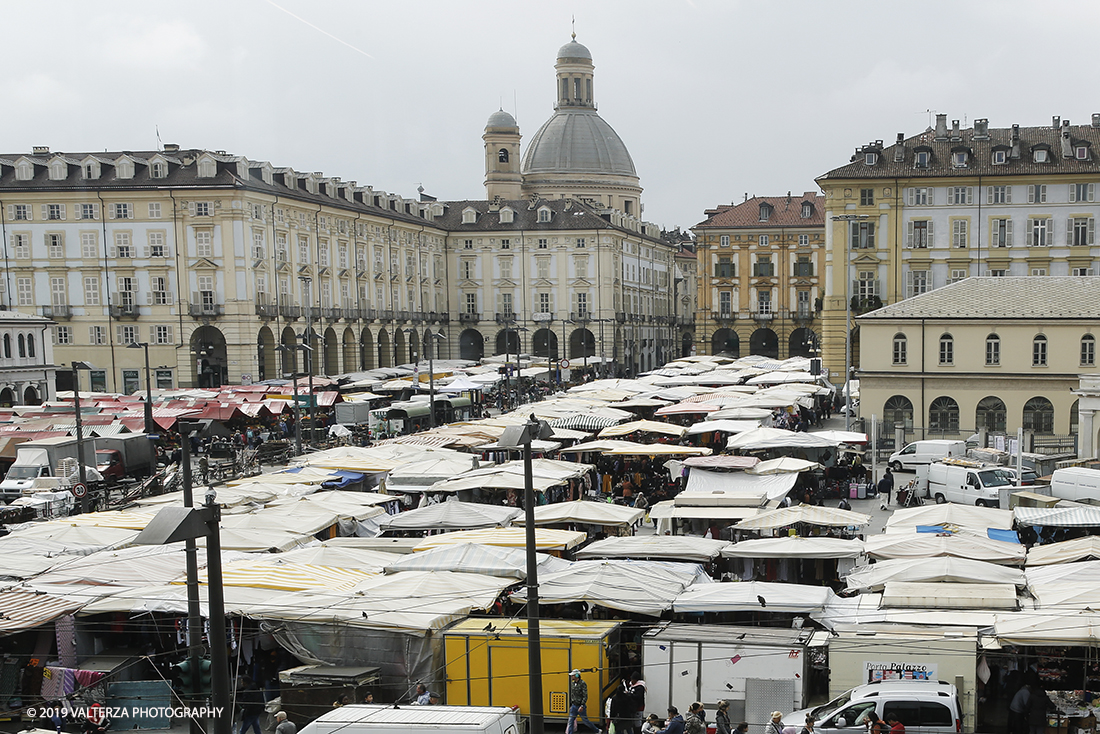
(452, 516)
(586, 513)
(943, 568)
(723, 426)
(842, 436)
(753, 596)
(671, 547)
(784, 465)
(323, 554)
(631, 586)
(546, 539)
(476, 558)
(623, 429)
(802, 513)
(1046, 628)
(58, 537)
(955, 516)
(429, 471)
(772, 438)
(1066, 551)
(795, 547)
(939, 595)
(774, 486)
(930, 545)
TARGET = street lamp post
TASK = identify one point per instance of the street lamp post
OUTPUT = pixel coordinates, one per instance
(848, 317)
(150, 430)
(431, 374)
(287, 349)
(86, 500)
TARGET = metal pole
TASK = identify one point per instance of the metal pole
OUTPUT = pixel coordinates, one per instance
(150, 431)
(86, 500)
(219, 658)
(297, 417)
(507, 368)
(534, 643)
(431, 379)
(190, 549)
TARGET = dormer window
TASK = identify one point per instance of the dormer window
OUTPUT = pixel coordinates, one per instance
(545, 214)
(1000, 157)
(870, 158)
(507, 216)
(59, 170)
(469, 216)
(958, 159)
(1081, 152)
(807, 210)
(90, 170)
(158, 168)
(765, 212)
(207, 167)
(124, 168)
(922, 158)
(24, 170)
(1040, 155)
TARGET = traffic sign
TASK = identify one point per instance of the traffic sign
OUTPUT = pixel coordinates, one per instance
(79, 490)
(565, 364)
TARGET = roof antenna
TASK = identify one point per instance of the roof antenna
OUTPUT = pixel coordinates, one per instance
(515, 105)
(159, 145)
(574, 22)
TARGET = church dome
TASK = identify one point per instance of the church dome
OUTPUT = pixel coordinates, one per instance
(500, 118)
(574, 50)
(577, 141)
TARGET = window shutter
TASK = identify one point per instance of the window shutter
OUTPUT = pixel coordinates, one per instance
(1008, 232)
(910, 196)
(11, 212)
(111, 211)
(930, 230)
(148, 298)
(112, 251)
(171, 334)
(969, 194)
(1042, 193)
(909, 283)
(1069, 231)
(145, 251)
(909, 234)
(1092, 221)
(1030, 196)
(950, 195)
(988, 194)
(1031, 233)
(191, 208)
(870, 236)
(930, 192)
(45, 212)
(1008, 194)
(1072, 193)
(1091, 191)
(195, 297)
(118, 334)
(95, 211)
(91, 334)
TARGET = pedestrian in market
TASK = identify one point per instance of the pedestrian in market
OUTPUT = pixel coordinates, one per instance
(675, 723)
(578, 703)
(808, 727)
(886, 485)
(251, 699)
(694, 722)
(722, 718)
(283, 725)
(775, 725)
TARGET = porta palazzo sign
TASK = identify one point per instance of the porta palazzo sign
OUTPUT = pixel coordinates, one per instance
(897, 670)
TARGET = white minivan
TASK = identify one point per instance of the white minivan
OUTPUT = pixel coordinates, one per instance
(925, 452)
(969, 485)
(922, 706)
(1076, 483)
(387, 719)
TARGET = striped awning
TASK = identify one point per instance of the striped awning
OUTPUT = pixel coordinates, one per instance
(287, 576)
(21, 609)
(584, 422)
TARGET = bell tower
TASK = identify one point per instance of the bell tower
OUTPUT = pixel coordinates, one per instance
(575, 72)
(502, 174)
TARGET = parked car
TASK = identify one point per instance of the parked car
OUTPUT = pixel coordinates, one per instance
(923, 706)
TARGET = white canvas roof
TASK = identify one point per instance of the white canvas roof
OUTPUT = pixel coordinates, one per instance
(746, 597)
(949, 514)
(1045, 628)
(1076, 571)
(452, 516)
(476, 558)
(863, 609)
(1065, 551)
(57, 537)
(1076, 516)
(784, 465)
(632, 586)
(809, 514)
(725, 426)
(920, 595)
(588, 513)
(943, 568)
(771, 438)
(430, 470)
(1067, 594)
(929, 545)
(672, 547)
(795, 547)
(773, 485)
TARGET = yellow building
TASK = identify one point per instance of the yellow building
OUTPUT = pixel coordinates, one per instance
(986, 353)
(948, 204)
(759, 266)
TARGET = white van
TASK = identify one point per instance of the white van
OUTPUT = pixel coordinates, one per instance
(1076, 483)
(380, 718)
(922, 706)
(925, 452)
(978, 484)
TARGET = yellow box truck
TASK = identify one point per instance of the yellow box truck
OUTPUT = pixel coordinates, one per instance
(487, 663)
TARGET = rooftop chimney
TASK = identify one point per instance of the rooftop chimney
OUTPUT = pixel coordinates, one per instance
(1096, 119)
(1057, 122)
(981, 129)
(171, 148)
(899, 148)
(941, 127)
(955, 134)
(1015, 142)
(41, 150)
(1067, 143)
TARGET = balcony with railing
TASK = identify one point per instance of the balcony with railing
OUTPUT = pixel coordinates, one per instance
(620, 316)
(580, 317)
(723, 316)
(332, 314)
(205, 310)
(267, 310)
(763, 312)
(124, 309)
(57, 312)
(469, 317)
(505, 317)
(290, 312)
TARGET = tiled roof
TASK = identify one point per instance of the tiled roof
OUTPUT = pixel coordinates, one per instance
(981, 159)
(1007, 298)
(567, 214)
(786, 212)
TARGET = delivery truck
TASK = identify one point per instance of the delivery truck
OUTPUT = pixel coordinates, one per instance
(124, 455)
(486, 663)
(757, 669)
(40, 459)
(1076, 483)
(381, 719)
(965, 482)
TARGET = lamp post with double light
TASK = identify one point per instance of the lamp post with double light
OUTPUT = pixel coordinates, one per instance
(150, 426)
(286, 349)
(85, 500)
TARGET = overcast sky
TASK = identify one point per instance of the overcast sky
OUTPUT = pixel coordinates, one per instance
(714, 99)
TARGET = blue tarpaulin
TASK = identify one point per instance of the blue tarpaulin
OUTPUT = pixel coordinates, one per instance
(345, 477)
